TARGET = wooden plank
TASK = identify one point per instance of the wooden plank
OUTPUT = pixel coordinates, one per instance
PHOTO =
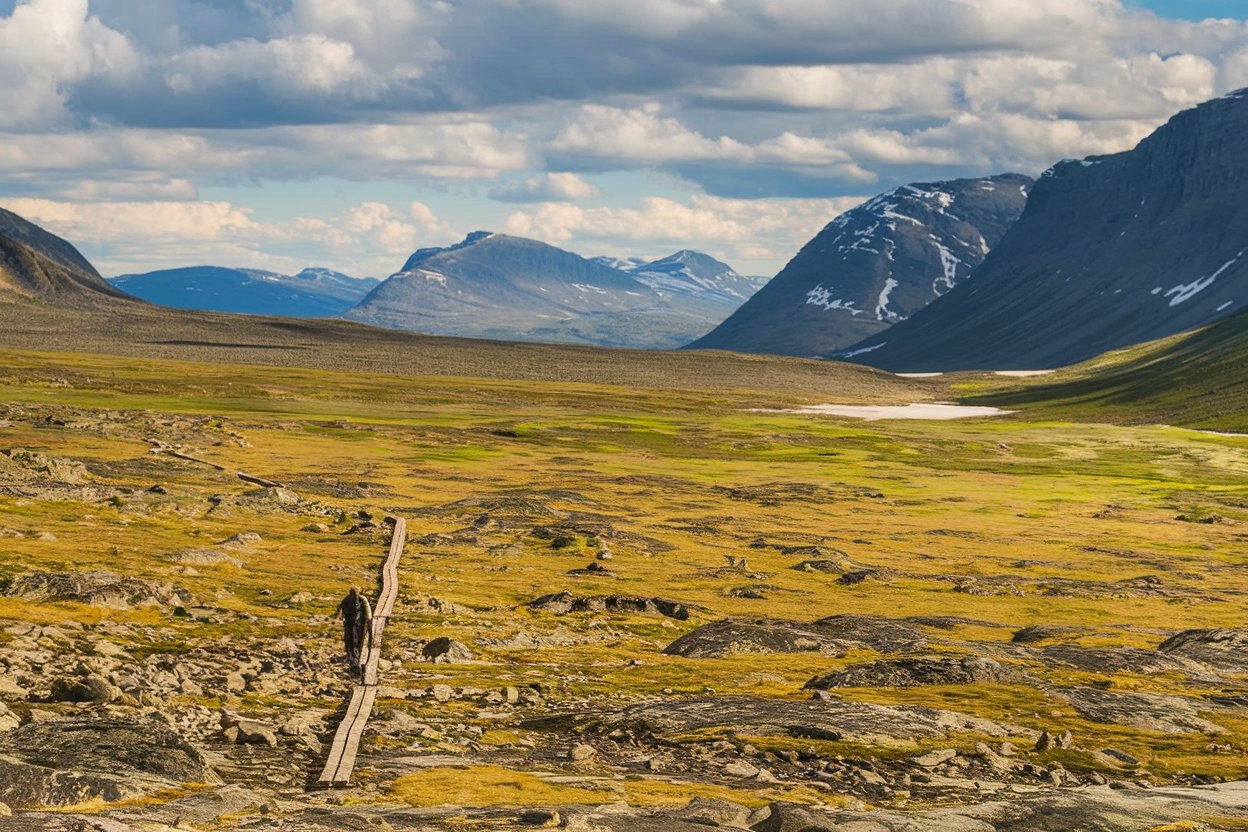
(342, 753)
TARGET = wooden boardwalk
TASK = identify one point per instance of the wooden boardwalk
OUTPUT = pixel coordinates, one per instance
(342, 754)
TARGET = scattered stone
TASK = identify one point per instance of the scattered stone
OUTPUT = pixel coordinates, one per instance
(242, 539)
(742, 769)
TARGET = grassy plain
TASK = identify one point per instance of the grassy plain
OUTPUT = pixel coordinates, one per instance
(1006, 523)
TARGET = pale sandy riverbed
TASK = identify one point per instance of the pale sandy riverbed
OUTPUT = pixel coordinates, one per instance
(874, 413)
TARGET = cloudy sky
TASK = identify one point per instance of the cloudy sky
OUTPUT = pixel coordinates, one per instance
(284, 133)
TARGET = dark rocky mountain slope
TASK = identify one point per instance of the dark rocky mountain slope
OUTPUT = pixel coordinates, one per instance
(874, 266)
(1110, 251)
(39, 265)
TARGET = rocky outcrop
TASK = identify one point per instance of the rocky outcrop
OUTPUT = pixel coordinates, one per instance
(1224, 649)
(875, 265)
(95, 754)
(884, 635)
(99, 588)
(913, 672)
(1110, 251)
(1147, 711)
(830, 719)
(738, 636)
(562, 603)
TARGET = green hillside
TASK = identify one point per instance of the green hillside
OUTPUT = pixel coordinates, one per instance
(1196, 379)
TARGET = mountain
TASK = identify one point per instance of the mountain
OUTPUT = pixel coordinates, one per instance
(499, 286)
(692, 274)
(40, 265)
(1111, 250)
(313, 293)
(1196, 379)
(874, 266)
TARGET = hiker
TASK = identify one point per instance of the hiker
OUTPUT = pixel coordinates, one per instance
(357, 629)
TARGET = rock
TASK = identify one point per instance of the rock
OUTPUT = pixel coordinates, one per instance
(24, 465)
(100, 588)
(562, 603)
(249, 732)
(8, 719)
(581, 753)
(96, 754)
(831, 567)
(712, 812)
(1223, 649)
(1147, 711)
(444, 650)
(789, 817)
(742, 769)
(242, 539)
(936, 758)
(204, 557)
(1044, 632)
(1120, 756)
(884, 635)
(235, 682)
(544, 818)
(835, 719)
(87, 687)
(746, 636)
(315, 528)
(913, 672)
(443, 693)
(1112, 660)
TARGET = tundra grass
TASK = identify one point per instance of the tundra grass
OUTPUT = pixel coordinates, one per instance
(1004, 523)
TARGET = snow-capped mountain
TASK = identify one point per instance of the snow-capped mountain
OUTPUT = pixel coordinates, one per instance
(1111, 251)
(874, 266)
(499, 286)
(697, 275)
(312, 293)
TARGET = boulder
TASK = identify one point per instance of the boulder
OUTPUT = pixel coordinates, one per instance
(913, 672)
(444, 650)
(789, 817)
